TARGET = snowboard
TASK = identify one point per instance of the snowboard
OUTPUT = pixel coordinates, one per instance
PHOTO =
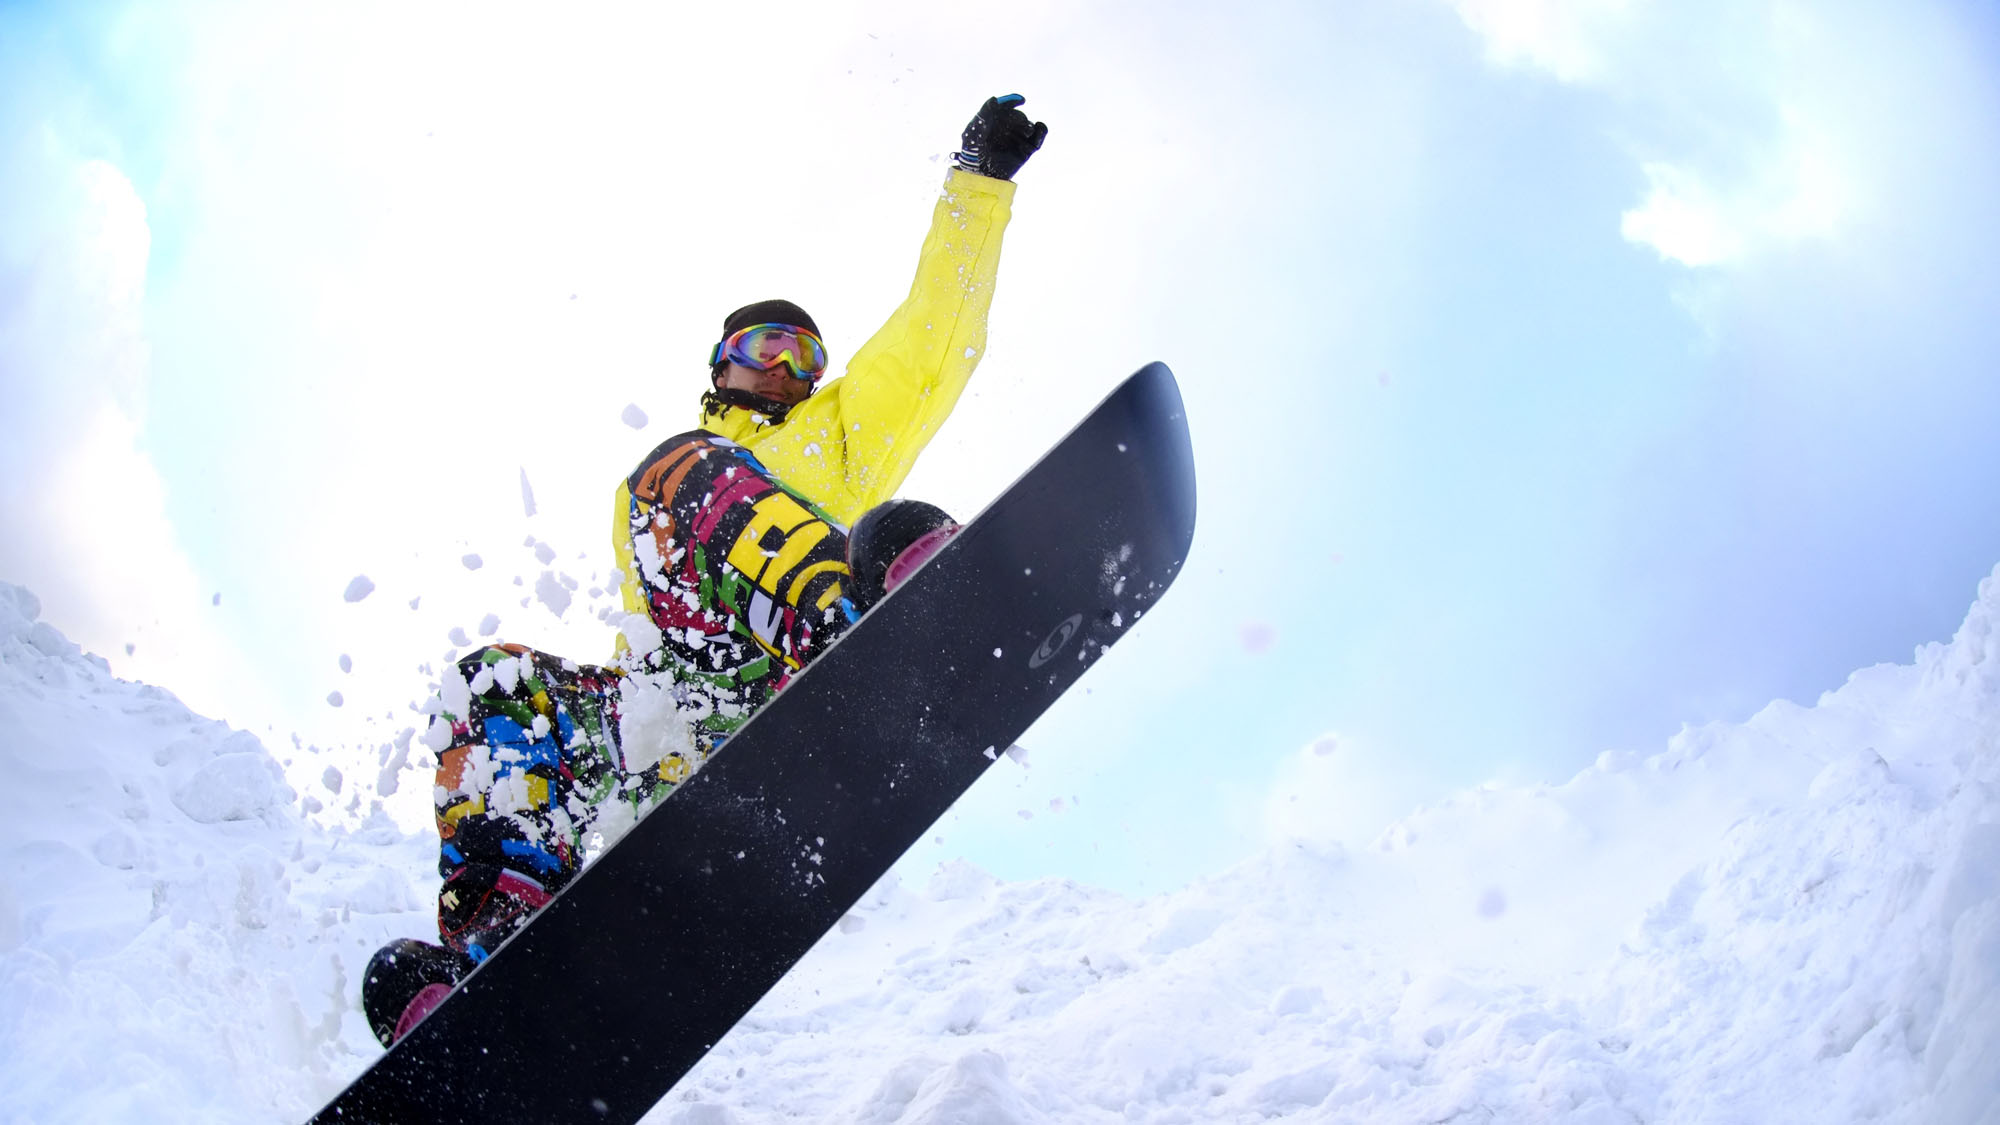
(615, 989)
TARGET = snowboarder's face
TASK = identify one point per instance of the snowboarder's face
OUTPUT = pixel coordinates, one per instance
(779, 383)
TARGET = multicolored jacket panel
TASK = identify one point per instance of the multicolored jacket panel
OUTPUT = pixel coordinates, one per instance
(742, 575)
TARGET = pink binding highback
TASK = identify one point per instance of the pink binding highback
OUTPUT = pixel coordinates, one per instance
(916, 555)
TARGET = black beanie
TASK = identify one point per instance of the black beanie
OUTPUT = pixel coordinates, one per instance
(767, 312)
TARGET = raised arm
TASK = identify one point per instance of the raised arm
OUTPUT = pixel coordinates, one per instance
(903, 383)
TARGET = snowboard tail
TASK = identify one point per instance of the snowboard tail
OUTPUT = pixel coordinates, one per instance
(619, 986)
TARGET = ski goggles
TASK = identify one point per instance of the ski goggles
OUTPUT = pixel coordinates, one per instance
(765, 346)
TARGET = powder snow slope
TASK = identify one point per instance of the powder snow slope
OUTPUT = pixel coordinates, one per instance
(1796, 918)
(177, 942)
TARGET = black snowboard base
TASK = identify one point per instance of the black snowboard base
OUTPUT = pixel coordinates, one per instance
(594, 1010)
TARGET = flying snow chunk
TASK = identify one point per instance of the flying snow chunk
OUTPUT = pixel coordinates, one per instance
(550, 591)
(335, 699)
(332, 779)
(641, 635)
(217, 601)
(437, 736)
(360, 587)
(473, 562)
(457, 636)
(235, 786)
(387, 780)
(544, 554)
(346, 663)
(633, 416)
(527, 495)
(489, 625)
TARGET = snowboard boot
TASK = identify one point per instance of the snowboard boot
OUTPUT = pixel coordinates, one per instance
(889, 542)
(406, 979)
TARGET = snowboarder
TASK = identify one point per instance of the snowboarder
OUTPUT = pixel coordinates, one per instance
(738, 566)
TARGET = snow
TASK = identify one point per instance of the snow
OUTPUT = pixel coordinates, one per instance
(1795, 918)
(358, 587)
(553, 593)
(639, 631)
(633, 416)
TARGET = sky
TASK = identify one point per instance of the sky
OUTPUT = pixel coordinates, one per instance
(1559, 373)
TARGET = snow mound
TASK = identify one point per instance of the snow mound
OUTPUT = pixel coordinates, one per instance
(1796, 918)
(176, 942)
(1792, 919)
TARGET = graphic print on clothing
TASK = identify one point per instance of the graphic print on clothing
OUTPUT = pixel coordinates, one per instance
(745, 581)
(532, 764)
(745, 578)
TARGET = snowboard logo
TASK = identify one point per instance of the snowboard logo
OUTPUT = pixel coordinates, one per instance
(1056, 640)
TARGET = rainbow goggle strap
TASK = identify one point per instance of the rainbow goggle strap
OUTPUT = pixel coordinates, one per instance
(765, 346)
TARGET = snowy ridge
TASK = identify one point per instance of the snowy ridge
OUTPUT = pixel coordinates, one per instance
(1792, 919)
(177, 942)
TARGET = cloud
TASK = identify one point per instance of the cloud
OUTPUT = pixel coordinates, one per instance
(1564, 38)
(83, 515)
(74, 258)
(1802, 191)
(1755, 127)
(1682, 219)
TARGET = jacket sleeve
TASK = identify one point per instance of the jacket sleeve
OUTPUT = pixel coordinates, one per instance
(902, 384)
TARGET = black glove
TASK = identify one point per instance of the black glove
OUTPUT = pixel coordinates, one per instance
(1000, 139)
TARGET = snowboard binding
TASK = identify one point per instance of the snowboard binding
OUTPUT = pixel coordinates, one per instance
(889, 542)
(406, 979)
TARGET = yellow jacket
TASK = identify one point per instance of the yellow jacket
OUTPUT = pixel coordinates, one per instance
(850, 446)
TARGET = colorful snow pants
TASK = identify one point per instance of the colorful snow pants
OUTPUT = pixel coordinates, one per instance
(742, 578)
(533, 760)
